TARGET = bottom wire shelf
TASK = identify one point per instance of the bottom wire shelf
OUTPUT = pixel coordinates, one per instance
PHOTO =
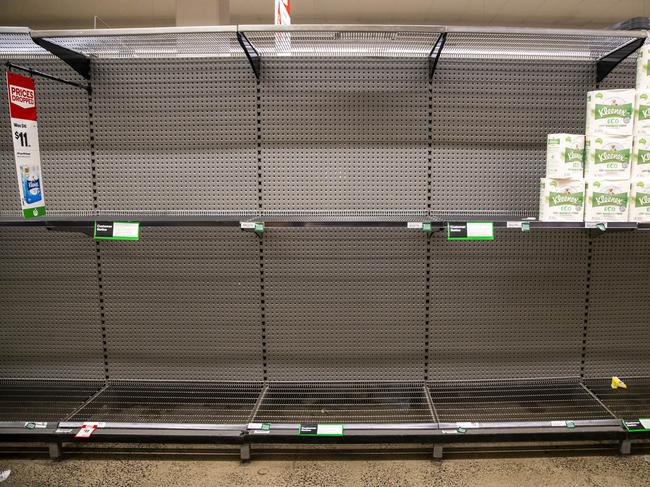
(503, 401)
(349, 402)
(381, 403)
(36, 401)
(630, 403)
(173, 402)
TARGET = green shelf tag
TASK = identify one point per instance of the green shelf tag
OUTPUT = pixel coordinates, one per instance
(640, 425)
(116, 231)
(470, 231)
(313, 429)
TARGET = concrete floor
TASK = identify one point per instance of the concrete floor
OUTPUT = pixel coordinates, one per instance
(601, 471)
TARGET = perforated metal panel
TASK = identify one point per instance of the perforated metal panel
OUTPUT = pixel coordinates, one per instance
(509, 308)
(175, 135)
(490, 122)
(49, 320)
(344, 304)
(618, 331)
(344, 135)
(183, 304)
(64, 142)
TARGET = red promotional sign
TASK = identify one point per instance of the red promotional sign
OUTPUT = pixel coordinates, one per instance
(22, 96)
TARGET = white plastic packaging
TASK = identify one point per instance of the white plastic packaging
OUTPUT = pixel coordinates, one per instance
(640, 200)
(641, 157)
(642, 113)
(561, 200)
(608, 157)
(610, 112)
(565, 156)
(607, 200)
(643, 68)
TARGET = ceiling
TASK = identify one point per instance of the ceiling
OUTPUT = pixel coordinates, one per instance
(61, 14)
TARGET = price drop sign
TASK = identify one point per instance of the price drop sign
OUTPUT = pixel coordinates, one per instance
(24, 131)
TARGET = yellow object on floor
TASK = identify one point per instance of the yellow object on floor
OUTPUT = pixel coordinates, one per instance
(618, 383)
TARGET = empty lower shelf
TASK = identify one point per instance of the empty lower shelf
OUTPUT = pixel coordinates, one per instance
(352, 402)
(35, 401)
(514, 401)
(361, 403)
(173, 402)
(630, 403)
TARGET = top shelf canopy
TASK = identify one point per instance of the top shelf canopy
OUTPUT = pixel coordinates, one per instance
(16, 42)
(343, 41)
(168, 42)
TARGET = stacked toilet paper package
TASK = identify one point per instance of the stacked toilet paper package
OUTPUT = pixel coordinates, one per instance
(603, 176)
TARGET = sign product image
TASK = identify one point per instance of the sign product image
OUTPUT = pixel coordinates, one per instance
(470, 231)
(24, 132)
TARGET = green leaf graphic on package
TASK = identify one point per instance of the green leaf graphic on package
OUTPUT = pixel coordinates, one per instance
(565, 198)
(643, 156)
(612, 156)
(613, 111)
(573, 155)
(609, 199)
(642, 200)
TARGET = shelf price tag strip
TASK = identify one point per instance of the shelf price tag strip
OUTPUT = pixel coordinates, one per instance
(116, 231)
(313, 429)
(640, 425)
(470, 231)
(27, 154)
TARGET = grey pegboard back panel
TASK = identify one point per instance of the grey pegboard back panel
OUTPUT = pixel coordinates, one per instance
(490, 122)
(344, 304)
(63, 130)
(618, 330)
(49, 301)
(509, 308)
(183, 303)
(344, 134)
(175, 135)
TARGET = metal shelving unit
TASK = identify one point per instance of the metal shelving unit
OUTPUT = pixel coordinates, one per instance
(335, 137)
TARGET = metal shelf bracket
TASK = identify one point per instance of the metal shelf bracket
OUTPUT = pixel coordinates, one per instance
(76, 60)
(253, 56)
(434, 55)
(609, 61)
(35, 72)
